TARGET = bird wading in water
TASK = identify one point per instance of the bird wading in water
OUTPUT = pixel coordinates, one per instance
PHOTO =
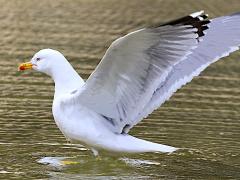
(137, 74)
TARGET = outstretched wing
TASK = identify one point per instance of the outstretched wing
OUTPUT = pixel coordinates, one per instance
(135, 65)
(222, 38)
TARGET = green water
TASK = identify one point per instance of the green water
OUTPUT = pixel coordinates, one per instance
(204, 116)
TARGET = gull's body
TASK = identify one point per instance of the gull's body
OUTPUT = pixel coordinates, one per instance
(82, 125)
(138, 73)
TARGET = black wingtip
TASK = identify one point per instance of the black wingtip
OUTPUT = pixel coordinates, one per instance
(198, 20)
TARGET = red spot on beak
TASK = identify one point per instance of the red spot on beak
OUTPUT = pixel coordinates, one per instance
(25, 66)
(21, 68)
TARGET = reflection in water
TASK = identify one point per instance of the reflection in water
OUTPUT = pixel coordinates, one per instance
(57, 161)
(60, 162)
(139, 162)
(202, 117)
(121, 167)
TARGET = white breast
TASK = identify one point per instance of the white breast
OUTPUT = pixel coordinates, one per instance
(79, 124)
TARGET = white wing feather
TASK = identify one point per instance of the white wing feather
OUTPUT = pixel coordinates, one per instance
(222, 38)
(141, 70)
(132, 69)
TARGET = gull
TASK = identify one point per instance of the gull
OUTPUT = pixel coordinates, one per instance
(138, 73)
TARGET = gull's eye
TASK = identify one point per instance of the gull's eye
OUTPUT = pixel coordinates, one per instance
(38, 59)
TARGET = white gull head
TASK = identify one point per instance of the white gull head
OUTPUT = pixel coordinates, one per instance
(54, 64)
(48, 61)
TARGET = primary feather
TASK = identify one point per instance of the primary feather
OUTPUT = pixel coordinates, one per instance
(222, 38)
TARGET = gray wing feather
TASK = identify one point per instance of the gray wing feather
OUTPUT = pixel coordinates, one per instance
(132, 69)
(222, 38)
(141, 70)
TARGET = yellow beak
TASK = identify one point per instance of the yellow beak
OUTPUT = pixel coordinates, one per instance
(25, 66)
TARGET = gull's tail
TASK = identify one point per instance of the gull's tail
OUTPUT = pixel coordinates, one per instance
(130, 144)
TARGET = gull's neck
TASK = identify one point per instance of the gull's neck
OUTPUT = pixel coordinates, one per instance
(66, 79)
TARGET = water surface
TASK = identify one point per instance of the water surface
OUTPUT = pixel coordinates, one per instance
(204, 116)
